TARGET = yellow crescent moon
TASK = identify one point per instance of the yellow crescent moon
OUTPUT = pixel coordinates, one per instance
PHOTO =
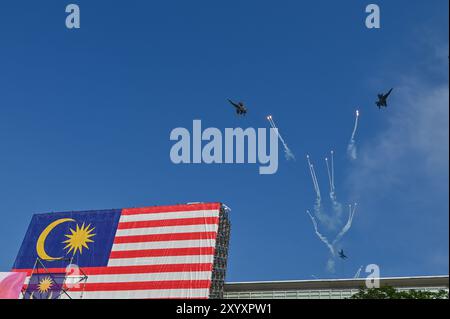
(40, 245)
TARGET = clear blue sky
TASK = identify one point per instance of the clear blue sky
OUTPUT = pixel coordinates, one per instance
(85, 118)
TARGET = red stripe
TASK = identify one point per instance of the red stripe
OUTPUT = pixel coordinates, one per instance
(169, 222)
(146, 285)
(118, 270)
(142, 285)
(164, 237)
(170, 209)
(162, 252)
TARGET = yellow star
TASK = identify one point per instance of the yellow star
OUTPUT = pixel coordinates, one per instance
(79, 238)
(45, 284)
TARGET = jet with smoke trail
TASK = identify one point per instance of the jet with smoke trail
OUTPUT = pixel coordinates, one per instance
(287, 152)
(351, 148)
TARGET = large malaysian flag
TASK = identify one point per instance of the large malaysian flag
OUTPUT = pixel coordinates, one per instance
(175, 251)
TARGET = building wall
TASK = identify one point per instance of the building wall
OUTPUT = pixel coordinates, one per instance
(326, 289)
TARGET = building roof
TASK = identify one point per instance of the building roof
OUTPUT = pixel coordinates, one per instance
(397, 282)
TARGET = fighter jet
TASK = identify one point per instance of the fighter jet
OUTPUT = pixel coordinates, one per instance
(342, 255)
(382, 99)
(240, 108)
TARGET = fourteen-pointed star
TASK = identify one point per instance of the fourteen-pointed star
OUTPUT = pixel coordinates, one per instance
(79, 239)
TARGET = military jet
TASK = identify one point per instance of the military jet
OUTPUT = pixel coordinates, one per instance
(382, 99)
(342, 255)
(240, 108)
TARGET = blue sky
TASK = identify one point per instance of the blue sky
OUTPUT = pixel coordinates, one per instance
(85, 118)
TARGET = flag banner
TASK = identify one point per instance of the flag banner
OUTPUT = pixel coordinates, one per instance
(87, 237)
(150, 252)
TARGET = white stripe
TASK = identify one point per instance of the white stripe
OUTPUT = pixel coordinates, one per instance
(139, 294)
(164, 216)
(165, 244)
(197, 259)
(161, 276)
(167, 230)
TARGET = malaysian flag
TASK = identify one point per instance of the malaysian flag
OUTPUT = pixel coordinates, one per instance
(151, 252)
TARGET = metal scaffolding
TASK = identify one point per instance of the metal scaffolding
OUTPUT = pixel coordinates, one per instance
(220, 254)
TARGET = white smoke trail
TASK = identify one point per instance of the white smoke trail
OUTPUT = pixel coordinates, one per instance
(346, 228)
(358, 273)
(313, 177)
(331, 172)
(329, 175)
(337, 207)
(316, 182)
(330, 181)
(331, 265)
(287, 151)
(351, 148)
(318, 204)
(321, 237)
(332, 169)
(332, 221)
(329, 221)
